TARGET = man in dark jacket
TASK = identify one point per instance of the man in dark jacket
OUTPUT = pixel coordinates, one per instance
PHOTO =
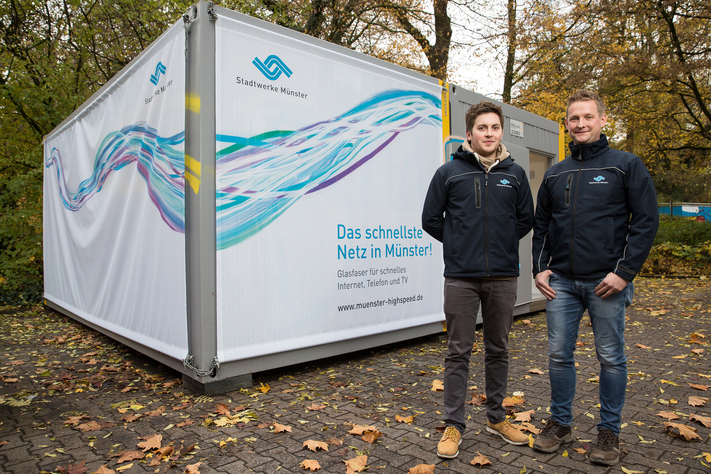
(596, 220)
(479, 205)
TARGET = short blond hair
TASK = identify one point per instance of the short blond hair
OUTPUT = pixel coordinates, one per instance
(584, 95)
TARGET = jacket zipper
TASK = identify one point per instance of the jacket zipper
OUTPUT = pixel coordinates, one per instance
(477, 188)
(567, 189)
(575, 202)
(486, 224)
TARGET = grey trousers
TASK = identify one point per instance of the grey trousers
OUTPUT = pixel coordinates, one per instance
(462, 297)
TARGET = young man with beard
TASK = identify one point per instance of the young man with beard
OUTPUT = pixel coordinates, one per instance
(479, 205)
(596, 220)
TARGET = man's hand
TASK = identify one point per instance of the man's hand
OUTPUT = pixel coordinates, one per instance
(609, 286)
(543, 286)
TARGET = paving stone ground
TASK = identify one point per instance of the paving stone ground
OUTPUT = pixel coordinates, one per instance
(53, 369)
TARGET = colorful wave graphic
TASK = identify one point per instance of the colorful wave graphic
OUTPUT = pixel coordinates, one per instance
(260, 177)
(158, 160)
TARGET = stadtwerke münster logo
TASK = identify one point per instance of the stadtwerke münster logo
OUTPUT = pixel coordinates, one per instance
(272, 67)
(160, 69)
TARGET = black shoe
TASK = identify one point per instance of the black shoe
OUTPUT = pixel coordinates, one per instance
(552, 436)
(607, 449)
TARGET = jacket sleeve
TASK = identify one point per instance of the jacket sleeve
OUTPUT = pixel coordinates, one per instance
(434, 207)
(641, 203)
(524, 208)
(540, 243)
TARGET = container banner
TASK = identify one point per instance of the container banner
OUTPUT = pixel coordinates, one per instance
(323, 161)
(114, 206)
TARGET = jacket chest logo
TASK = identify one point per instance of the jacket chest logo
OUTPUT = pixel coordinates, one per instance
(504, 183)
(599, 180)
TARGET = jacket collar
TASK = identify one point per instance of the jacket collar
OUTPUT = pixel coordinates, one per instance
(464, 152)
(587, 151)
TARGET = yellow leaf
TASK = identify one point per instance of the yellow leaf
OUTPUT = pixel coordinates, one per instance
(310, 464)
(422, 469)
(477, 399)
(278, 428)
(524, 416)
(480, 459)
(315, 445)
(704, 420)
(127, 455)
(151, 442)
(371, 436)
(359, 430)
(437, 386)
(513, 401)
(687, 432)
(405, 419)
(668, 415)
(356, 464)
(530, 427)
(192, 468)
(263, 388)
(565, 453)
(104, 470)
(698, 401)
(628, 471)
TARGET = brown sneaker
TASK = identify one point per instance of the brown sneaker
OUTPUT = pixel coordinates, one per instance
(508, 432)
(552, 436)
(448, 446)
(607, 448)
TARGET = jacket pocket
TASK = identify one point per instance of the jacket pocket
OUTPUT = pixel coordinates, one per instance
(568, 183)
(477, 192)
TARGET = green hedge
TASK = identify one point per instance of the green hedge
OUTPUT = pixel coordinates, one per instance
(682, 247)
(683, 231)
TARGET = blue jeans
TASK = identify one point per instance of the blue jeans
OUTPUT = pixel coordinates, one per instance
(608, 321)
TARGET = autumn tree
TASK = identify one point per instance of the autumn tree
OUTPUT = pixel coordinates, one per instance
(341, 22)
(394, 30)
(649, 60)
(54, 54)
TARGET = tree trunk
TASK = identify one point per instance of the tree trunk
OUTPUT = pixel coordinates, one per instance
(511, 51)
